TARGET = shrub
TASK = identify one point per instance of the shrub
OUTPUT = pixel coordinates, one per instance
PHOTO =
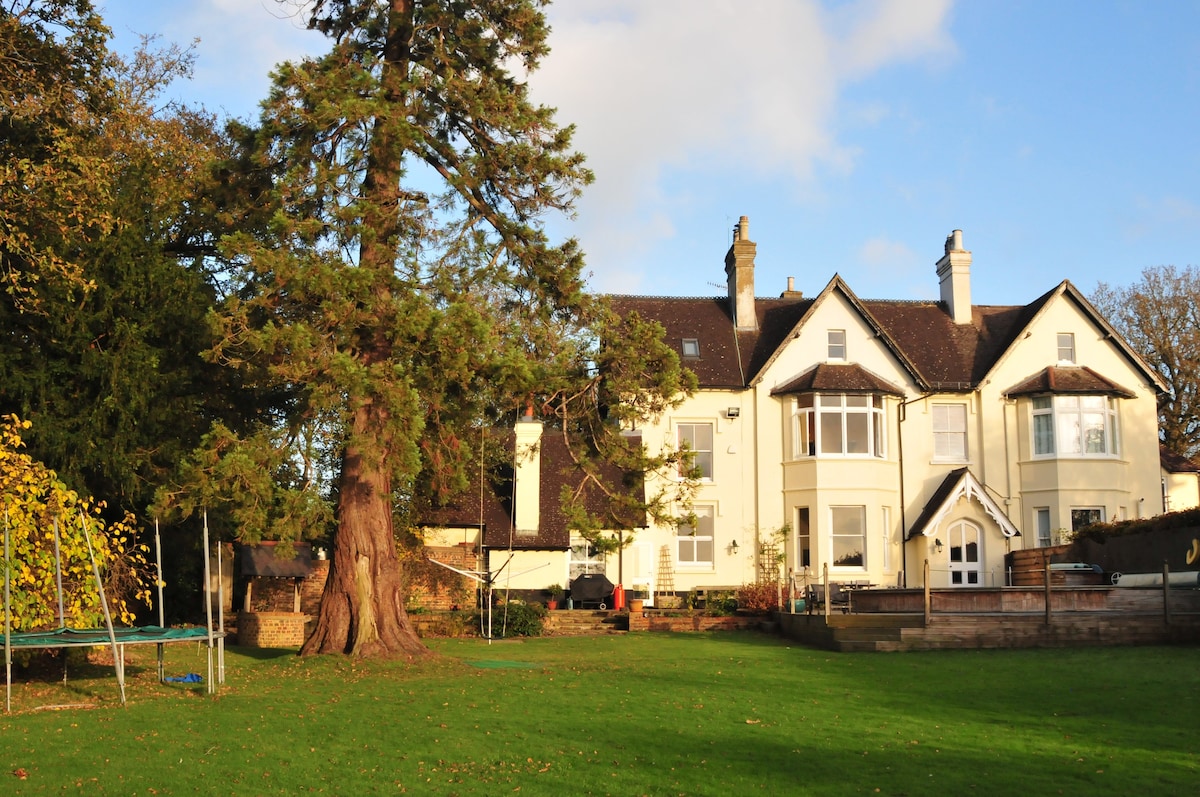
(524, 619)
(721, 604)
(758, 598)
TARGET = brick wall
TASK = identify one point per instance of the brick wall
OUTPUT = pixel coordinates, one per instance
(450, 591)
(655, 621)
(270, 629)
(313, 586)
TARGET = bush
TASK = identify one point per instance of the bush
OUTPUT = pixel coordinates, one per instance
(758, 598)
(721, 604)
(524, 619)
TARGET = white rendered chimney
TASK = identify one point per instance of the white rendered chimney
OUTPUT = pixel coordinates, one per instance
(954, 277)
(739, 275)
(527, 472)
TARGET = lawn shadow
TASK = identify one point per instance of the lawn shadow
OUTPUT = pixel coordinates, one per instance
(263, 654)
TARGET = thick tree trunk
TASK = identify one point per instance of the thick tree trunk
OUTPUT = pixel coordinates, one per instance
(362, 609)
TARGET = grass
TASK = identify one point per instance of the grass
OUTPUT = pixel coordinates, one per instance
(654, 714)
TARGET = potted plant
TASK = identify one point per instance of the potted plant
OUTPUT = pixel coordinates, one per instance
(556, 592)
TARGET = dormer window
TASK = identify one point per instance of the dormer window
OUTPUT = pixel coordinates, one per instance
(837, 344)
(691, 348)
(1066, 348)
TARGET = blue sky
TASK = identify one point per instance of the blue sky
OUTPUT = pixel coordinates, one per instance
(1062, 137)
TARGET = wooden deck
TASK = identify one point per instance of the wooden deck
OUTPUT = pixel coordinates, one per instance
(1009, 617)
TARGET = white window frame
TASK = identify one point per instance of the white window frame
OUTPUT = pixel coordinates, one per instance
(691, 349)
(817, 416)
(1066, 348)
(1042, 523)
(697, 539)
(836, 345)
(584, 558)
(803, 540)
(842, 536)
(696, 455)
(1075, 426)
(949, 432)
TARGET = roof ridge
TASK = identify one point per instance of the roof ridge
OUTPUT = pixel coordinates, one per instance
(649, 296)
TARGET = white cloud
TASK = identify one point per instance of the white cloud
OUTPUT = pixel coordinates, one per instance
(704, 88)
(882, 252)
(241, 41)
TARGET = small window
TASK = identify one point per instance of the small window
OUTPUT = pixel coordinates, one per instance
(691, 348)
(1086, 516)
(695, 542)
(696, 444)
(803, 539)
(950, 432)
(837, 344)
(1066, 347)
(1043, 527)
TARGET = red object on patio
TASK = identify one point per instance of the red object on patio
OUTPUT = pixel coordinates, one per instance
(618, 597)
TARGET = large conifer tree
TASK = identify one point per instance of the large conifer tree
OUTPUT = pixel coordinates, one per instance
(407, 295)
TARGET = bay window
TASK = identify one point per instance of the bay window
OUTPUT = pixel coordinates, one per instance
(1075, 426)
(838, 425)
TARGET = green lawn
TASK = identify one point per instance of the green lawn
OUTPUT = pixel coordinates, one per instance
(655, 714)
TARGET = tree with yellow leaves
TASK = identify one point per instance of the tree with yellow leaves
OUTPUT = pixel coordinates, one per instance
(36, 504)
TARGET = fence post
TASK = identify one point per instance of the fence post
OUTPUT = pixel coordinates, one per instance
(825, 586)
(928, 599)
(1046, 578)
(1166, 593)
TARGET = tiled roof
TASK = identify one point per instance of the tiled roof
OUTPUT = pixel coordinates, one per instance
(946, 356)
(839, 378)
(1176, 463)
(945, 489)
(1066, 380)
(959, 482)
(558, 470)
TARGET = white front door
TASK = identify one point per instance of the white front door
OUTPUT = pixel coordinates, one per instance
(966, 554)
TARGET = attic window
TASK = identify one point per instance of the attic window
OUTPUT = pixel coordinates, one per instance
(837, 344)
(691, 348)
(1066, 348)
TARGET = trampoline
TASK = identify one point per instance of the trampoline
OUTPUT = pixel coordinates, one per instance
(111, 636)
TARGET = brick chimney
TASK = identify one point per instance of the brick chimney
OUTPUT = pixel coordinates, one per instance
(739, 274)
(527, 473)
(954, 277)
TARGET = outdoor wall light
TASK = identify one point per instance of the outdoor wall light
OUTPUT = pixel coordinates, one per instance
(733, 547)
(937, 543)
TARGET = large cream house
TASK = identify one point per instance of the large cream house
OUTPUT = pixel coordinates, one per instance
(859, 435)
(869, 436)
